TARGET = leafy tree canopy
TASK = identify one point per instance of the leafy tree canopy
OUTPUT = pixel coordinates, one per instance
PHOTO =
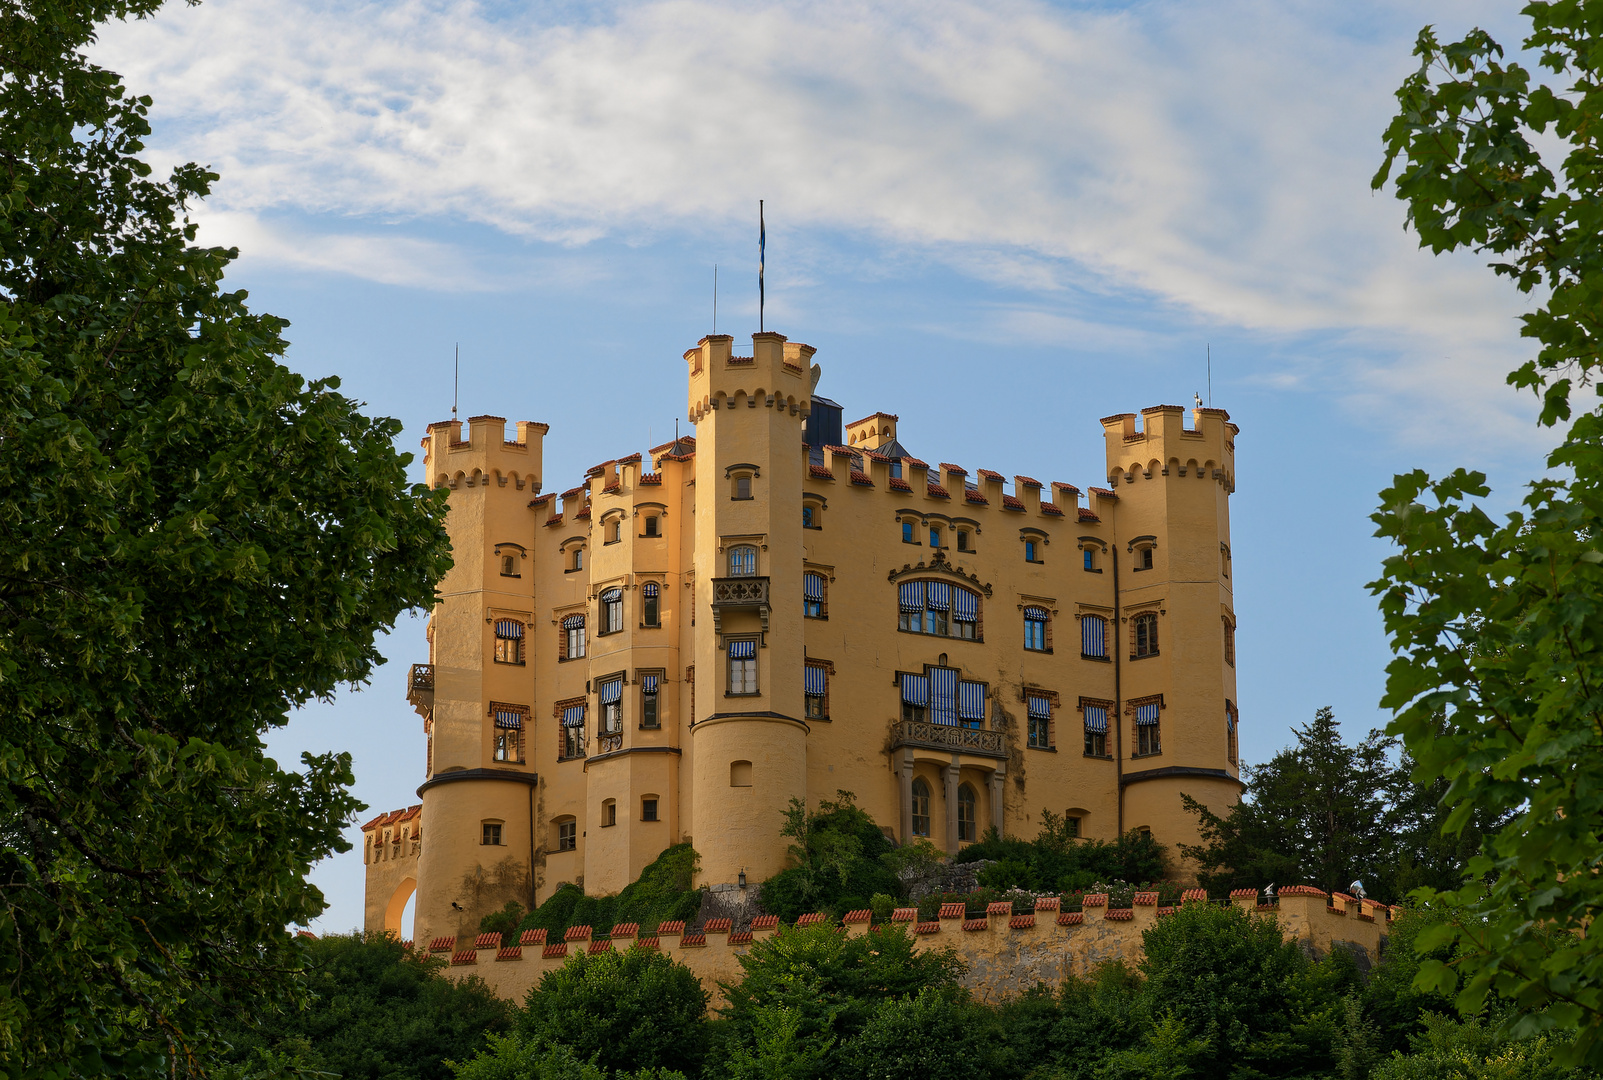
(1059, 861)
(662, 892)
(193, 541)
(838, 860)
(1498, 679)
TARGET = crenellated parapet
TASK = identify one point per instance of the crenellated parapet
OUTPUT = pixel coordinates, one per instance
(1163, 445)
(486, 458)
(391, 844)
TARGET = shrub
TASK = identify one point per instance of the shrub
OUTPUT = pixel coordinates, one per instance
(662, 892)
(1057, 862)
(836, 854)
(937, 1034)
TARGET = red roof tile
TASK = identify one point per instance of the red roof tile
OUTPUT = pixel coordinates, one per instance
(601, 946)
(810, 919)
(511, 952)
(442, 944)
(1122, 914)
(915, 463)
(487, 941)
(1242, 894)
(927, 928)
(861, 478)
(892, 417)
(466, 956)
(975, 497)
(1146, 899)
(1048, 903)
(1021, 922)
(740, 937)
(625, 930)
(1094, 900)
(647, 943)
(898, 484)
(1194, 894)
(673, 926)
(952, 911)
(938, 492)
(582, 515)
(999, 907)
(861, 915)
(1102, 493)
(532, 937)
(905, 914)
(820, 471)
(989, 474)
(474, 419)
(947, 466)
(717, 926)
(554, 951)
(765, 922)
(577, 933)
(1059, 485)
(1086, 515)
(651, 478)
(554, 519)
(1011, 503)
(1051, 508)
(1027, 481)
(976, 924)
(693, 941)
(1070, 918)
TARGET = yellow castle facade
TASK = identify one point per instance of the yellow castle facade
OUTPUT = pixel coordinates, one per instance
(785, 607)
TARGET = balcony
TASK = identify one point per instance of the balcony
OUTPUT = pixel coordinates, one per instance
(958, 740)
(738, 593)
(420, 689)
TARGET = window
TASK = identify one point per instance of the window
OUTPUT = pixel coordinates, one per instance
(896, 469)
(742, 486)
(816, 687)
(651, 525)
(813, 595)
(935, 537)
(962, 540)
(1071, 825)
(940, 697)
(648, 808)
(509, 566)
(1035, 623)
(966, 830)
(740, 774)
(611, 611)
(568, 835)
(614, 530)
(936, 607)
(1090, 560)
(508, 641)
(907, 533)
(743, 666)
(915, 697)
(1146, 727)
(572, 745)
(508, 731)
(649, 716)
(1096, 728)
(1094, 637)
(612, 706)
(609, 813)
(650, 606)
(573, 638)
(578, 559)
(810, 517)
(1224, 561)
(1144, 635)
(491, 834)
(1039, 708)
(1143, 557)
(1032, 551)
(921, 807)
(742, 561)
(1230, 732)
(1230, 643)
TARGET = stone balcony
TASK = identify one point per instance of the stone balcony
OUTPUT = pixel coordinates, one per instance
(736, 593)
(420, 689)
(954, 739)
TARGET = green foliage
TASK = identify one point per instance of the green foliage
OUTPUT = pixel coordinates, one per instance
(513, 1057)
(193, 541)
(1055, 861)
(628, 1009)
(1451, 1049)
(504, 922)
(917, 856)
(828, 984)
(837, 855)
(1498, 680)
(1322, 812)
(663, 892)
(934, 1035)
(372, 1010)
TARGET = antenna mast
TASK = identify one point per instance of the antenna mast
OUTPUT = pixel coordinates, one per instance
(1209, 347)
(762, 253)
(714, 299)
(456, 382)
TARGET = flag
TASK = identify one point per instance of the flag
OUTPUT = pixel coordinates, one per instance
(762, 253)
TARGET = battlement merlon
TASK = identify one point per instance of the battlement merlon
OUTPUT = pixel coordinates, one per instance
(777, 374)
(486, 456)
(1163, 444)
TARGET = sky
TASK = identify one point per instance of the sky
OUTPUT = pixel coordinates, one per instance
(1000, 221)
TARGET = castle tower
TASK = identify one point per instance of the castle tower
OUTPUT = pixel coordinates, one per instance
(748, 741)
(1170, 508)
(479, 794)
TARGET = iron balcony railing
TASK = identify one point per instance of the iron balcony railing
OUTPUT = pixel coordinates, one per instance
(963, 740)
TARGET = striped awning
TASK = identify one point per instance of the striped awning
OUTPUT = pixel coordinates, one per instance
(649, 590)
(1096, 719)
(742, 650)
(943, 694)
(970, 700)
(912, 593)
(965, 605)
(813, 587)
(507, 718)
(611, 690)
(573, 716)
(817, 683)
(940, 596)
(915, 690)
(573, 622)
(1040, 707)
(648, 684)
(508, 628)
(612, 596)
(1036, 614)
(1093, 628)
(1147, 714)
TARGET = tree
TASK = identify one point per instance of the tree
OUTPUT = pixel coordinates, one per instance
(1498, 679)
(836, 854)
(193, 541)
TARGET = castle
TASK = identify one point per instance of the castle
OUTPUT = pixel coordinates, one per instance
(785, 607)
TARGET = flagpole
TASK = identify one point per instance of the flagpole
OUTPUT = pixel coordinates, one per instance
(762, 254)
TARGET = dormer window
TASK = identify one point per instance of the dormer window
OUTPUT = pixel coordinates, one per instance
(896, 469)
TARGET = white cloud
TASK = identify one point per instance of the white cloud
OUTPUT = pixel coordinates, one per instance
(1215, 157)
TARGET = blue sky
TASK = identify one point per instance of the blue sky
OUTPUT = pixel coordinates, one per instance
(999, 220)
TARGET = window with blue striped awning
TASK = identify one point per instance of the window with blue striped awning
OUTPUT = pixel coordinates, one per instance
(817, 680)
(648, 684)
(610, 595)
(572, 622)
(508, 628)
(915, 690)
(912, 593)
(573, 716)
(965, 605)
(971, 700)
(742, 650)
(940, 596)
(507, 718)
(1093, 631)
(649, 590)
(813, 586)
(943, 693)
(1147, 714)
(611, 690)
(1040, 707)
(1096, 719)
(1036, 614)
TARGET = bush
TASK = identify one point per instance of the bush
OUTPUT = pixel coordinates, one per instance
(936, 1035)
(621, 1010)
(515, 1058)
(1058, 862)
(663, 892)
(1449, 1049)
(838, 861)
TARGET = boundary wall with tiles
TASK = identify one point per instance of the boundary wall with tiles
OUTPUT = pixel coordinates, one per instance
(1006, 954)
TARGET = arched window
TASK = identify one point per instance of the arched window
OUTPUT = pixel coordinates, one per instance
(1144, 631)
(651, 612)
(611, 611)
(508, 641)
(609, 812)
(921, 808)
(742, 487)
(567, 833)
(742, 561)
(966, 829)
(1035, 620)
